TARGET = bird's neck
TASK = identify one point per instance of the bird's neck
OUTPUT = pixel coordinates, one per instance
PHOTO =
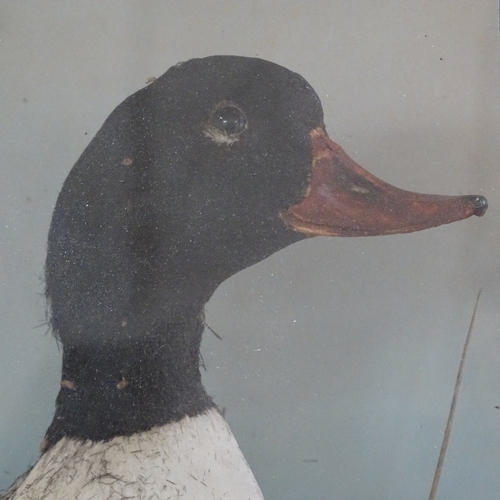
(131, 384)
(196, 457)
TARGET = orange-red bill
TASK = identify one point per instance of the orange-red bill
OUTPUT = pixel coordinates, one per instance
(345, 200)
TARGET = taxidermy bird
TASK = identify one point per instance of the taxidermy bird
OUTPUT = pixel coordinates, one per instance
(213, 167)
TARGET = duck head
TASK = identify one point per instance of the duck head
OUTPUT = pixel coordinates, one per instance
(218, 164)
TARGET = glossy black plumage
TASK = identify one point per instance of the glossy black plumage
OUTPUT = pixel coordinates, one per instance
(152, 218)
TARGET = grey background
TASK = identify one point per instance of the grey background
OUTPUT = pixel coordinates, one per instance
(338, 356)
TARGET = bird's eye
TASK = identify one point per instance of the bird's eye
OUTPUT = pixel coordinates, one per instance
(229, 119)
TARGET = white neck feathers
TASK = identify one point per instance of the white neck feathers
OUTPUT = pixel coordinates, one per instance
(196, 458)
